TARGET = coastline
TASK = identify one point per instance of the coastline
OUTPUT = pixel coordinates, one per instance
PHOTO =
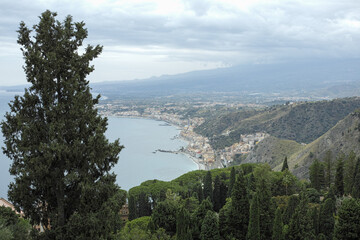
(200, 165)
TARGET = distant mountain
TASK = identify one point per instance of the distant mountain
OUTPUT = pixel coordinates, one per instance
(336, 78)
(301, 122)
(344, 137)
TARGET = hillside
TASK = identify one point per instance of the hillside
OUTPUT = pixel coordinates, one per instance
(300, 122)
(342, 138)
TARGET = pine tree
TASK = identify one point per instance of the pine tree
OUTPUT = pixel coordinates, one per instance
(253, 232)
(277, 232)
(290, 208)
(183, 225)
(285, 165)
(348, 224)
(216, 194)
(232, 181)
(55, 137)
(210, 227)
(208, 189)
(339, 177)
(315, 220)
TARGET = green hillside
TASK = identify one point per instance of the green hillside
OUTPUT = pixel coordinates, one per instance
(301, 122)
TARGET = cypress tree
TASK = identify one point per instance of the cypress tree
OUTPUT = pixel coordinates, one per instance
(339, 177)
(253, 232)
(290, 208)
(232, 181)
(349, 172)
(183, 225)
(328, 169)
(277, 232)
(300, 224)
(208, 189)
(348, 224)
(216, 194)
(326, 218)
(317, 175)
(199, 215)
(238, 217)
(223, 193)
(132, 208)
(265, 208)
(315, 220)
(285, 165)
(356, 181)
(61, 158)
(210, 227)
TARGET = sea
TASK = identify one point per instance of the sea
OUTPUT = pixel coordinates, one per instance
(138, 161)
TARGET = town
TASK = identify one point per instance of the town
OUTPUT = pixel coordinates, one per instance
(199, 148)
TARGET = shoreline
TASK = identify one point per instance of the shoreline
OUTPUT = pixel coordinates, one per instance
(200, 166)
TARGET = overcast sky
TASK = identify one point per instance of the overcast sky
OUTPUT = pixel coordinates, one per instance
(144, 38)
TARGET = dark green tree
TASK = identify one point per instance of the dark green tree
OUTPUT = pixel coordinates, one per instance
(356, 181)
(199, 215)
(277, 231)
(349, 172)
(164, 216)
(12, 226)
(144, 206)
(217, 194)
(348, 224)
(132, 208)
(223, 193)
(208, 188)
(210, 227)
(55, 137)
(339, 177)
(315, 220)
(265, 208)
(300, 226)
(290, 208)
(238, 216)
(326, 218)
(317, 175)
(285, 165)
(253, 232)
(232, 181)
(328, 169)
(183, 225)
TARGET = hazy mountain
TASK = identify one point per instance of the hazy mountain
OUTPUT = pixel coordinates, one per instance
(340, 77)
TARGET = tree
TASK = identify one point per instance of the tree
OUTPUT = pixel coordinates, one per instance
(265, 208)
(290, 208)
(164, 216)
(199, 215)
(210, 227)
(317, 175)
(326, 218)
(253, 232)
(339, 177)
(232, 181)
(285, 165)
(238, 216)
(55, 137)
(132, 208)
(277, 232)
(183, 225)
(348, 224)
(356, 181)
(349, 172)
(328, 169)
(208, 189)
(216, 194)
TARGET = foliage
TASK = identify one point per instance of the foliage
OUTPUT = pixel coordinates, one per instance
(285, 165)
(253, 232)
(277, 231)
(339, 176)
(317, 175)
(55, 137)
(326, 218)
(12, 226)
(208, 189)
(210, 227)
(164, 216)
(348, 224)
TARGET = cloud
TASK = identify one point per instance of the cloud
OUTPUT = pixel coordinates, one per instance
(205, 32)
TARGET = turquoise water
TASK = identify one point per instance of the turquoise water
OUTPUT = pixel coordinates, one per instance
(137, 162)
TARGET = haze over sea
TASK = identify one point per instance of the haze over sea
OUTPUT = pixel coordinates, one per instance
(137, 162)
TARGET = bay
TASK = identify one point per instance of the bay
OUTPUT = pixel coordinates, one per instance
(137, 162)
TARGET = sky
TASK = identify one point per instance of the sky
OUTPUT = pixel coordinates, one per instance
(146, 38)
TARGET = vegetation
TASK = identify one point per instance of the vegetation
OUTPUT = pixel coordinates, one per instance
(301, 122)
(55, 137)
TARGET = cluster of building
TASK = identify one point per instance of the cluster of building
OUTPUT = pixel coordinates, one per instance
(199, 146)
